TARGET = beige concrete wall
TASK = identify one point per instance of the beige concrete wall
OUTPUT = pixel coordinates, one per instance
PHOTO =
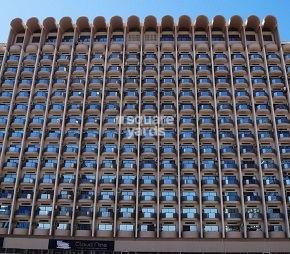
(204, 246)
(25, 243)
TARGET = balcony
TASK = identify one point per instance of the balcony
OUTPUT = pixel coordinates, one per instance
(114, 70)
(167, 83)
(202, 58)
(239, 70)
(220, 58)
(149, 70)
(149, 58)
(203, 70)
(168, 199)
(210, 199)
(168, 166)
(257, 70)
(149, 109)
(222, 83)
(243, 108)
(149, 95)
(229, 167)
(185, 70)
(254, 216)
(168, 182)
(187, 136)
(108, 166)
(167, 58)
(279, 96)
(267, 151)
(205, 95)
(184, 58)
(167, 95)
(255, 58)
(238, 58)
(228, 151)
(269, 166)
(209, 182)
(225, 122)
(252, 199)
(98, 58)
(263, 122)
(246, 136)
(11, 72)
(185, 82)
(167, 70)
(230, 181)
(97, 70)
(287, 58)
(80, 59)
(105, 215)
(128, 199)
(130, 95)
(27, 72)
(275, 70)
(276, 199)
(224, 108)
(221, 70)
(261, 96)
(205, 109)
(241, 82)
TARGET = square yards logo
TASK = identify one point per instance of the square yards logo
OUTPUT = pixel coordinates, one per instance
(148, 126)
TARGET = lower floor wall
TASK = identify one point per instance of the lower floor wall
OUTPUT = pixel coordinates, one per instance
(145, 246)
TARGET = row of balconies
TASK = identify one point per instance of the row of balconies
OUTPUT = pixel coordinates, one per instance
(45, 212)
(14, 150)
(147, 165)
(271, 197)
(145, 230)
(274, 70)
(88, 133)
(260, 96)
(135, 57)
(96, 84)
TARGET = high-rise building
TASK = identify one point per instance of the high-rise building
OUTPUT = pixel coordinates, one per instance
(145, 137)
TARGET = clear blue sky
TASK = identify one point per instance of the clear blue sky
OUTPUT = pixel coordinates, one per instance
(41, 9)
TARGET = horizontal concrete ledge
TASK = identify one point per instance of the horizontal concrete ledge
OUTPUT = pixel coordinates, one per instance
(244, 245)
(171, 245)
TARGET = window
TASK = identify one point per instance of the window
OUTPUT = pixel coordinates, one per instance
(84, 39)
(211, 228)
(63, 226)
(43, 225)
(67, 39)
(126, 227)
(250, 37)
(168, 227)
(267, 37)
(118, 38)
(234, 37)
(105, 227)
(19, 39)
(101, 38)
(35, 39)
(51, 39)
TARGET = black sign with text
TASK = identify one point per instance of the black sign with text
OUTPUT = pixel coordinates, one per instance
(63, 244)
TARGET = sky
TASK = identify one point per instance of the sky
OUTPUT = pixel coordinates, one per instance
(26, 9)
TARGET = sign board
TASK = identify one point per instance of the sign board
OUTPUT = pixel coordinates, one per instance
(63, 244)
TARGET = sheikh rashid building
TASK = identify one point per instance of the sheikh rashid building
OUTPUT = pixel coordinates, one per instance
(145, 137)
